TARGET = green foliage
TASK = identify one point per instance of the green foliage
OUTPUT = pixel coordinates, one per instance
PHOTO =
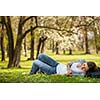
(22, 75)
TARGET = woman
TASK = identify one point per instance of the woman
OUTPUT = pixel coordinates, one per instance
(45, 64)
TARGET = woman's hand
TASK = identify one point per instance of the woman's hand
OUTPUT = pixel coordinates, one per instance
(69, 72)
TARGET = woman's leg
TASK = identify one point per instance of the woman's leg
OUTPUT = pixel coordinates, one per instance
(48, 60)
(34, 68)
(37, 64)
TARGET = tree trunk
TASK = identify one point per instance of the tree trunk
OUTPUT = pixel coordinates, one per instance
(87, 51)
(2, 44)
(25, 47)
(32, 45)
(41, 41)
(53, 46)
(95, 39)
(10, 40)
(17, 54)
(43, 47)
(57, 48)
(64, 51)
(14, 54)
(18, 46)
(38, 47)
(70, 51)
(11, 51)
(7, 50)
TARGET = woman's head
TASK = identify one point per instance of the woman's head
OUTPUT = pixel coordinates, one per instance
(92, 66)
(88, 66)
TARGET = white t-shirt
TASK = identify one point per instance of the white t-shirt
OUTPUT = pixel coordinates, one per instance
(62, 69)
(76, 70)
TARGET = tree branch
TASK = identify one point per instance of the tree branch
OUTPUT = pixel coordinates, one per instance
(36, 20)
(24, 21)
(46, 27)
(69, 31)
(25, 33)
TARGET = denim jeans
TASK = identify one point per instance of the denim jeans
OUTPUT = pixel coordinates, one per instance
(44, 64)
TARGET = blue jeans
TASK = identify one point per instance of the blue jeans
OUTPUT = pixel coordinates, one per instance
(44, 64)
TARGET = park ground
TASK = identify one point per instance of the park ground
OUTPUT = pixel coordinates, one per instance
(21, 75)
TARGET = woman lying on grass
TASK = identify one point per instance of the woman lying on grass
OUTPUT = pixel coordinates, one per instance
(45, 64)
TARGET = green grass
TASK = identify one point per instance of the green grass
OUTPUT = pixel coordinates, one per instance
(22, 75)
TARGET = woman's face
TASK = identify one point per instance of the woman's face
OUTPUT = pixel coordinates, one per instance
(83, 67)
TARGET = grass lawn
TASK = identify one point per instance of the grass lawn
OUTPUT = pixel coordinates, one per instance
(22, 75)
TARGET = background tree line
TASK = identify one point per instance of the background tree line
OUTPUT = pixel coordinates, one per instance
(20, 34)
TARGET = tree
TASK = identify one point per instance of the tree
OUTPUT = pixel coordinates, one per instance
(15, 52)
(84, 23)
(25, 47)
(40, 47)
(2, 41)
(32, 42)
